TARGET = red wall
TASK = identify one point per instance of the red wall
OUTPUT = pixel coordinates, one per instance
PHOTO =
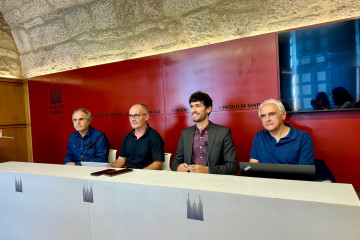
(238, 75)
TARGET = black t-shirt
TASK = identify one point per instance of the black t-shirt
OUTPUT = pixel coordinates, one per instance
(144, 151)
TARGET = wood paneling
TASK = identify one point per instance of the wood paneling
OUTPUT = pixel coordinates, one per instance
(12, 103)
(15, 121)
(16, 148)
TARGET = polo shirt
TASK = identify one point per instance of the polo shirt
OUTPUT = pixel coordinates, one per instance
(93, 147)
(144, 151)
(296, 148)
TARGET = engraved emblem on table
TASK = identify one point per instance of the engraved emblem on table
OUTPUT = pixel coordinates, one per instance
(88, 195)
(195, 210)
(18, 185)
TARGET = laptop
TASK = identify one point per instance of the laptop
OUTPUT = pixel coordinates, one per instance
(278, 171)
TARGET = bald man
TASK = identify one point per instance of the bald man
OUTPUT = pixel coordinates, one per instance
(143, 147)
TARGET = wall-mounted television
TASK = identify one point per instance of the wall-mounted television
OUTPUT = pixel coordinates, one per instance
(319, 67)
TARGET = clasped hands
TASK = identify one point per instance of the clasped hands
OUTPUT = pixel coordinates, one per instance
(192, 168)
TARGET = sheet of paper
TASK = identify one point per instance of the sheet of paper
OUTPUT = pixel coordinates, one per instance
(94, 164)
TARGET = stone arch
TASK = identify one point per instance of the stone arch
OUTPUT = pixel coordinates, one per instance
(10, 66)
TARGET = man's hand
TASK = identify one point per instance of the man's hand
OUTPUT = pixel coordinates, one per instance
(118, 163)
(252, 160)
(70, 163)
(183, 168)
(198, 169)
(154, 166)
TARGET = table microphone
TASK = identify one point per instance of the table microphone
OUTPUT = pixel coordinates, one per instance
(206, 147)
(89, 145)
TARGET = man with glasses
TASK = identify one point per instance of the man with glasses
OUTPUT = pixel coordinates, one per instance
(205, 147)
(280, 142)
(143, 147)
(86, 144)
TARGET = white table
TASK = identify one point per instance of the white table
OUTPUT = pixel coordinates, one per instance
(48, 203)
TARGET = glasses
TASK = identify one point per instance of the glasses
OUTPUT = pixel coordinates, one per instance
(136, 116)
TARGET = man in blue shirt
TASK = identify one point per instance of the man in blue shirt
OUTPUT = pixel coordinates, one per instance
(143, 147)
(280, 142)
(86, 143)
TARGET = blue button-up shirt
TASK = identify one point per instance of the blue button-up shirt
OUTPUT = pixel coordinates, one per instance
(296, 148)
(93, 147)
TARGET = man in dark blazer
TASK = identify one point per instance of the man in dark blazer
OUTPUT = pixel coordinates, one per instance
(205, 147)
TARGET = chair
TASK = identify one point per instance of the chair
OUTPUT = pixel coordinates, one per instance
(112, 156)
(166, 163)
(323, 172)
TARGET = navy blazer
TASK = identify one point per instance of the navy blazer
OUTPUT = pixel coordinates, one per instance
(221, 155)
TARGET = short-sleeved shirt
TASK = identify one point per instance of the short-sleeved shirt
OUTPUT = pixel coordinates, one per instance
(142, 152)
(93, 147)
(296, 148)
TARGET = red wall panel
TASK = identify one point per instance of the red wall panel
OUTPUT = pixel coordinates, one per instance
(114, 88)
(237, 74)
(232, 73)
(336, 140)
(55, 97)
(50, 140)
(175, 123)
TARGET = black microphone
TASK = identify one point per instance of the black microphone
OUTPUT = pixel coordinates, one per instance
(206, 146)
(89, 145)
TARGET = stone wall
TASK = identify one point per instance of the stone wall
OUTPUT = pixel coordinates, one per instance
(57, 35)
(10, 66)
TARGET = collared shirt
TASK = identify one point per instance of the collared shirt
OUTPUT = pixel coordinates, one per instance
(200, 146)
(93, 147)
(296, 148)
(144, 151)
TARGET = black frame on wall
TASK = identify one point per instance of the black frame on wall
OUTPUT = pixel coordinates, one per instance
(320, 67)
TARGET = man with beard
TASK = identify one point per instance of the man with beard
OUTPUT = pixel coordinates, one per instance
(205, 147)
(143, 147)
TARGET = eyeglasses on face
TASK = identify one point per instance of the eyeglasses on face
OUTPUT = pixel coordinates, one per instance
(136, 116)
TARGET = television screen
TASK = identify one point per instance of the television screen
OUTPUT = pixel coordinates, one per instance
(319, 67)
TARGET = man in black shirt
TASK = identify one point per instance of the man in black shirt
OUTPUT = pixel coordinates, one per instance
(143, 147)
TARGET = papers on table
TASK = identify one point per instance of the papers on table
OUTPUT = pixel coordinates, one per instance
(95, 164)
